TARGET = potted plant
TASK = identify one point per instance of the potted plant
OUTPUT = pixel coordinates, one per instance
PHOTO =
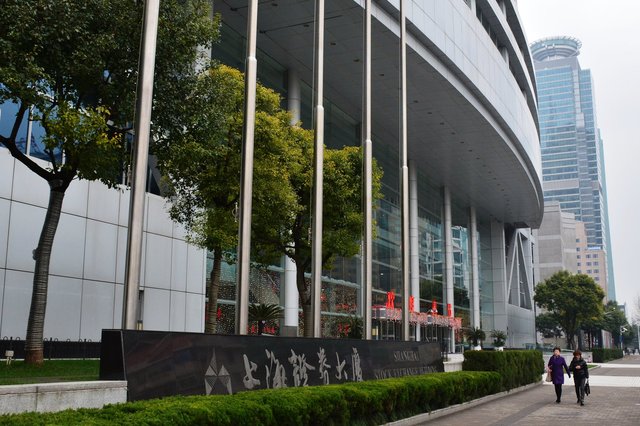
(499, 339)
(262, 313)
(476, 336)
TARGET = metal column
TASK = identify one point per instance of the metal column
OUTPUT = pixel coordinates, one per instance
(414, 242)
(318, 159)
(367, 240)
(448, 258)
(246, 174)
(144, 103)
(404, 174)
(291, 296)
(475, 278)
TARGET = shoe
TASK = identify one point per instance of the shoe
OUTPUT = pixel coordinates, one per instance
(581, 403)
(557, 401)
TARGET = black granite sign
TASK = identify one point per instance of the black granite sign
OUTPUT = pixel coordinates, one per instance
(157, 363)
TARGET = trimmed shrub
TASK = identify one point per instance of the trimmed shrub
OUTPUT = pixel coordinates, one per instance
(516, 368)
(604, 355)
(363, 403)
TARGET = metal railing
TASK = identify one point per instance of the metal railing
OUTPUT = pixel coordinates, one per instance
(53, 348)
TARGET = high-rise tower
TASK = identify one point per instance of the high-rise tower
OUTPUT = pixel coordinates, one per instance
(572, 149)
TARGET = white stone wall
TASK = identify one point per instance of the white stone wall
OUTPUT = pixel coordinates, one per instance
(87, 267)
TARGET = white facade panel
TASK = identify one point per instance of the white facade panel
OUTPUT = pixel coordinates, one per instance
(64, 300)
(25, 224)
(179, 233)
(100, 251)
(97, 309)
(28, 187)
(121, 255)
(67, 254)
(195, 270)
(104, 203)
(117, 306)
(75, 198)
(156, 313)
(194, 313)
(178, 311)
(5, 209)
(123, 211)
(15, 303)
(158, 262)
(2, 274)
(6, 174)
(179, 266)
(159, 221)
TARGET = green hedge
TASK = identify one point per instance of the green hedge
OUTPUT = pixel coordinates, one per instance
(370, 402)
(604, 355)
(516, 368)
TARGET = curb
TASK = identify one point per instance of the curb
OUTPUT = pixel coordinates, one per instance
(425, 417)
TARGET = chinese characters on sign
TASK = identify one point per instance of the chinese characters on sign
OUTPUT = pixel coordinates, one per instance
(276, 375)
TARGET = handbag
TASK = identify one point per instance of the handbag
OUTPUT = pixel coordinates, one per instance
(587, 388)
(548, 378)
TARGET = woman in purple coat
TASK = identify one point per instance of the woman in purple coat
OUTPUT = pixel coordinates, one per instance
(556, 364)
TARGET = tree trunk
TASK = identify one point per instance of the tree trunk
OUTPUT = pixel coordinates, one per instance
(34, 347)
(305, 299)
(214, 287)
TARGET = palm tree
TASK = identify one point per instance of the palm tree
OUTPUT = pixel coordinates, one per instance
(476, 335)
(499, 338)
(262, 313)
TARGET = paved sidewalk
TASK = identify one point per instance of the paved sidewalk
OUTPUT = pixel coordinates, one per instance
(614, 401)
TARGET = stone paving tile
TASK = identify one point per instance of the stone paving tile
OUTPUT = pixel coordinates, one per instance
(605, 405)
(614, 401)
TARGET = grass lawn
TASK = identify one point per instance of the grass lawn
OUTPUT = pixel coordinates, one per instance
(18, 373)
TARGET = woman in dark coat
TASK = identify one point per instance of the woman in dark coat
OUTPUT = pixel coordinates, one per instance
(580, 372)
(556, 364)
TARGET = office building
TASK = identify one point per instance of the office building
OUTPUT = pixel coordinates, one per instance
(572, 148)
(473, 159)
(557, 242)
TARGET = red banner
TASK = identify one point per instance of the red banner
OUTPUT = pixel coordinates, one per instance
(449, 310)
(434, 306)
(412, 302)
(391, 297)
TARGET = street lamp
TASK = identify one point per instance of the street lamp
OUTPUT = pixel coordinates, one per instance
(622, 330)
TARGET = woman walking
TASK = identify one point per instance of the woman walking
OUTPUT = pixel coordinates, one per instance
(555, 365)
(580, 372)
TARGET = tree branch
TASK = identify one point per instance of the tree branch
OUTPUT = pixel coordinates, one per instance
(10, 143)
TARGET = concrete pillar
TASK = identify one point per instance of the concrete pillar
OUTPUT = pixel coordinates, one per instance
(448, 261)
(499, 274)
(475, 277)
(291, 302)
(366, 281)
(414, 242)
(404, 174)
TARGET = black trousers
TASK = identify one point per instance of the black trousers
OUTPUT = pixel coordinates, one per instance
(579, 385)
(558, 391)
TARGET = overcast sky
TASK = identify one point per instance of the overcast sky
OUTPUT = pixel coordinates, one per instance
(610, 35)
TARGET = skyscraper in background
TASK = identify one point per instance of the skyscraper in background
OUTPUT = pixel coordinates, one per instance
(572, 149)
